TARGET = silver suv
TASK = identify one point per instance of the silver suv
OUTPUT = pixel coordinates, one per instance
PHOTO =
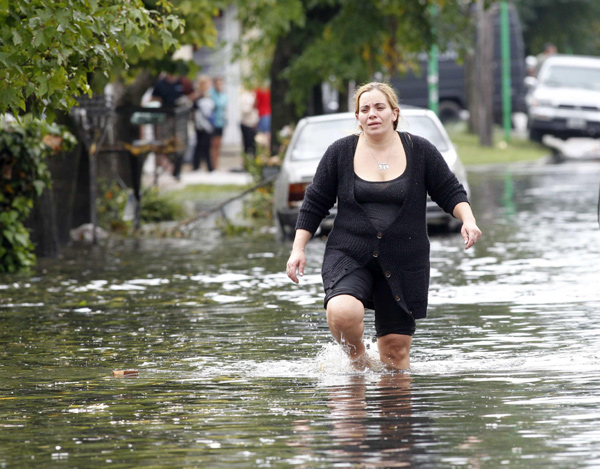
(564, 99)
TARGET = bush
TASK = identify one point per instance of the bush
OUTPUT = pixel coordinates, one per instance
(110, 206)
(24, 146)
(157, 206)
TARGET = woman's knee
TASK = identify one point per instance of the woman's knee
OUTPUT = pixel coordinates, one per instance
(344, 311)
(394, 349)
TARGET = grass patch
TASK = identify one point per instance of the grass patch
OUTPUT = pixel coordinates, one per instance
(470, 152)
(206, 193)
(204, 189)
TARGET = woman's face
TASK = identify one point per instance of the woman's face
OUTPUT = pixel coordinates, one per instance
(205, 86)
(375, 115)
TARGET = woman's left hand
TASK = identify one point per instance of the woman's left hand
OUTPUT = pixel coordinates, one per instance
(470, 233)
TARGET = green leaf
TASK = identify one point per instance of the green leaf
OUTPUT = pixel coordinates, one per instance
(8, 217)
(48, 45)
(17, 39)
(21, 239)
(9, 236)
(39, 187)
(43, 88)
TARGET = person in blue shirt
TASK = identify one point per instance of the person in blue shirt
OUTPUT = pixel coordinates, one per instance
(219, 97)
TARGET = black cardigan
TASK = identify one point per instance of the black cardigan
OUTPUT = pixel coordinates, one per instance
(402, 249)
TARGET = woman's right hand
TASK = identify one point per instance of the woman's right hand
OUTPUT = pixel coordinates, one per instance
(295, 264)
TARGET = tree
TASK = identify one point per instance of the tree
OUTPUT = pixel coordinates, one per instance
(572, 25)
(143, 67)
(335, 41)
(48, 50)
(51, 52)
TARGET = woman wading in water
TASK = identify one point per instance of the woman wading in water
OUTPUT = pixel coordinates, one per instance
(377, 255)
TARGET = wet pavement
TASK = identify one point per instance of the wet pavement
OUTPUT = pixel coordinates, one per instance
(237, 367)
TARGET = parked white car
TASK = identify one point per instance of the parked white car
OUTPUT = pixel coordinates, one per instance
(564, 99)
(312, 137)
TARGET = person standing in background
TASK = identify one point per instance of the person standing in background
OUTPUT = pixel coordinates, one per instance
(203, 115)
(219, 98)
(263, 105)
(169, 90)
(549, 49)
(249, 121)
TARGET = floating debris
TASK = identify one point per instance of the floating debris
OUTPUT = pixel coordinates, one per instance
(125, 373)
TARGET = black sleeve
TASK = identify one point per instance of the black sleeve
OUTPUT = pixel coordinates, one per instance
(321, 194)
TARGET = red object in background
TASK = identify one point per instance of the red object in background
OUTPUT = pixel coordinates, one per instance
(296, 193)
(188, 86)
(263, 101)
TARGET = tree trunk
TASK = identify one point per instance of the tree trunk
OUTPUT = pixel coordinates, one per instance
(316, 108)
(471, 92)
(66, 204)
(343, 97)
(286, 50)
(484, 96)
(282, 113)
(43, 228)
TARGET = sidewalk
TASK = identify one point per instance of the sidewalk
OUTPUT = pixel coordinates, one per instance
(230, 172)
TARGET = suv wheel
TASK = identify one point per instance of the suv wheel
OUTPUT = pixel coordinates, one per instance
(282, 232)
(535, 135)
(449, 111)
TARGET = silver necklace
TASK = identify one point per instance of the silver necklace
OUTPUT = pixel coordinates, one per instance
(383, 165)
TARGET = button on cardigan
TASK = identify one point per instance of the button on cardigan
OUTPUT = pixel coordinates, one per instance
(402, 249)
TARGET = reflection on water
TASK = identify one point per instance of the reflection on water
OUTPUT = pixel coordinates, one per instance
(374, 427)
(237, 367)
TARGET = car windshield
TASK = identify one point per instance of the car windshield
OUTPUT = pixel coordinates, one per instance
(315, 137)
(572, 77)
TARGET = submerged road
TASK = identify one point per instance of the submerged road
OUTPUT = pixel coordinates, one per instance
(237, 367)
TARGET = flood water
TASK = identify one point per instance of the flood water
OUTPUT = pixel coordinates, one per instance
(237, 367)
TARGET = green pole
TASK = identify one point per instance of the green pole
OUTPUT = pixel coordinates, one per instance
(433, 79)
(432, 69)
(506, 85)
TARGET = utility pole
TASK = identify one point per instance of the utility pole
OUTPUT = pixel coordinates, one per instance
(484, 85)
(506, 66)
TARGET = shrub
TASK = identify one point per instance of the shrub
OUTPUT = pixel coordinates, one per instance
(24, 146)
(157, 206)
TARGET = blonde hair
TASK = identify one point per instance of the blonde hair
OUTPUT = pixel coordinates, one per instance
(386, 89)
(203, 80)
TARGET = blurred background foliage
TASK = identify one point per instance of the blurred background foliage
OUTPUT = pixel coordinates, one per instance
(51, 52)
(296, 45)
(338, 41)
(572, 25)
(24, 175)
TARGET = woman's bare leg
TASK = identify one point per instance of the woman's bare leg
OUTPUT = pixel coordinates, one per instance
(394, 350)
(345, 316)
